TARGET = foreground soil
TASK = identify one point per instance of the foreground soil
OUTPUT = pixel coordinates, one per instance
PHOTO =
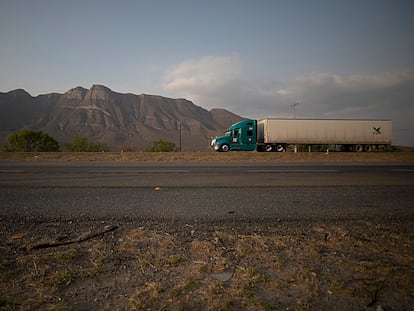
(150, 264)
(158, 265)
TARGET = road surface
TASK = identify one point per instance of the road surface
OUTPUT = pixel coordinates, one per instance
(206, 192)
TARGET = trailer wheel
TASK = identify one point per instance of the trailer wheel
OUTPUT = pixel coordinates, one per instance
(268, 148)
(224, 148)
(358, 148)
(280, 148)
(367, 148)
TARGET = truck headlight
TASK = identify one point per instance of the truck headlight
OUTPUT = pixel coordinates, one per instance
(213, 142)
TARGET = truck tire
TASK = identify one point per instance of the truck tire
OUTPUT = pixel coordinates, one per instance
(280, 148)
(367, 148)
(358, 148)
(224, 148)
(268, 148)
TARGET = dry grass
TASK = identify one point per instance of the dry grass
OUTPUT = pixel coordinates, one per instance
(206, 157)
(319, 267)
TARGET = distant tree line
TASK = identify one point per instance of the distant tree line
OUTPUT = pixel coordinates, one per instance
(27, 141)
(162, 146)
(37, 141)
(82, 144)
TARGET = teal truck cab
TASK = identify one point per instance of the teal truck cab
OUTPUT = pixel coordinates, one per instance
(240, 136)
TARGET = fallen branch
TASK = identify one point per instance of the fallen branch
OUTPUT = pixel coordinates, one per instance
(77, 240)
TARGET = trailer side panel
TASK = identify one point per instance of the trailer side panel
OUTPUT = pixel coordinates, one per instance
(313, 131)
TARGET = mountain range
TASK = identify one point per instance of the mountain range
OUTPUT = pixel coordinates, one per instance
(121, 121)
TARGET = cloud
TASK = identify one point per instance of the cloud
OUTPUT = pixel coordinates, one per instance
(221, 81)
(352, 83)
(387, 95)
(376, 95)
(206, 73)
(212, 81)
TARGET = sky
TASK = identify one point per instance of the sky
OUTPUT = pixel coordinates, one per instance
(256, 58)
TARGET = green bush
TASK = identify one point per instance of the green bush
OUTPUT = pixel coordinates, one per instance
(82, 144)
(162, 146)
(30, 141)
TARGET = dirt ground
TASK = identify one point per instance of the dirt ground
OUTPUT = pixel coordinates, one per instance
(208, 157)
(150, 265)
(147, 264)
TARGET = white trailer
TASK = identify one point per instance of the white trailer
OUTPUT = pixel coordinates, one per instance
(354, 135)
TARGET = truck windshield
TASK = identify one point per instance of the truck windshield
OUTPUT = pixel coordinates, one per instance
(228, 133)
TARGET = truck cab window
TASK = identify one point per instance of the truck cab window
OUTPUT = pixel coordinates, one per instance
(236, 134)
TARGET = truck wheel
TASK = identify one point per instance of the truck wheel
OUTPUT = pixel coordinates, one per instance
(359, 148)
(280, 148)
(224, 148)
(268, 148)
(367, 148)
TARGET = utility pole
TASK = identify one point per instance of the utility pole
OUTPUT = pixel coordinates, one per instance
(179, 127)
(294, 117)
(294, 109)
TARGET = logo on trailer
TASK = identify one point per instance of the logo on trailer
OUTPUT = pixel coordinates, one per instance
(377, 130)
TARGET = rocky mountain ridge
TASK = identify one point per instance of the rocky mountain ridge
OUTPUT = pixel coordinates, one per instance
(120, 120)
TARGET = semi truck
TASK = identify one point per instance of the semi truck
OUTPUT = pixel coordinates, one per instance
(273, 134)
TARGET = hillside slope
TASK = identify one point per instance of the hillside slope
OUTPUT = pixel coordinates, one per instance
(119, 120)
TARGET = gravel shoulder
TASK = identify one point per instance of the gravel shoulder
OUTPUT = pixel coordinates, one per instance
(153, 264)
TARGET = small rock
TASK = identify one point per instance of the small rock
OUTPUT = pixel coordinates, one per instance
(223, 276)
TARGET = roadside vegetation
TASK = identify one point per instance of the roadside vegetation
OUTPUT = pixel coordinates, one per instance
(82, 144)
(162, 146)
(29, 141)
(37, 141)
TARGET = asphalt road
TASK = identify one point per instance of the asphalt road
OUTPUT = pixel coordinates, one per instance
(206, 192)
